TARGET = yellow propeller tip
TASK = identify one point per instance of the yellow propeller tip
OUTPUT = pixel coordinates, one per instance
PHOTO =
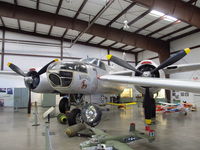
(109, 57)
(187, 50)
(56, 59)
(148, 121)
(9, 63)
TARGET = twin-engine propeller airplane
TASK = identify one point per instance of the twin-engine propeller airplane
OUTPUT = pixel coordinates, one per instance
(74, 79)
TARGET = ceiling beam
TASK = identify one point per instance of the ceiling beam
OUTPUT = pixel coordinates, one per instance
(19, 25)
(121, 14)
(102, 41)
(15, 2)
(64, 33)
(139, 17)
(122, 46)
(59, 38)
(132, 49)
(149, 24)
(90, 24)
(35, 27)
(59, 6)
(49, 33)
(173, 32)
(80, 8)
(191, 1)
(140, 51)
(112, 44)
(90, 39)
(2, 21)
(114, 34)
(179, 9)
(184, 35)
(37, 4)
(163, 28)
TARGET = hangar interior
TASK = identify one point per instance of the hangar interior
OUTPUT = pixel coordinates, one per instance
(35, 32)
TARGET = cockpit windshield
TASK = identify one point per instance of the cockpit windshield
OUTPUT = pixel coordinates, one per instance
(95, 62)
(73, 66)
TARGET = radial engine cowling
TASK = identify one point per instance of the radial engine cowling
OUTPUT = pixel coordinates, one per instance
(146, 66)
(36, 83)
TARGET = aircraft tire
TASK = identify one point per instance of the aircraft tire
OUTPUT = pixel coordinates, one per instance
(64, 105)
(74, 117)
(96, 115)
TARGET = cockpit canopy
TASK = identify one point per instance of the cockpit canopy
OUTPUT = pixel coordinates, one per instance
(94, 61)
(73, 66)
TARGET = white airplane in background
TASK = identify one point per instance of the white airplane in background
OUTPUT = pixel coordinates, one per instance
(75, 79)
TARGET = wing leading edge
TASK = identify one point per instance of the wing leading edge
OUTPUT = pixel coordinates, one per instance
(182, 68)
(170, 84)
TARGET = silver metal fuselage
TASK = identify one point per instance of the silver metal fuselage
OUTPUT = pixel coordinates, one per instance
(81, 82)
(77, 77)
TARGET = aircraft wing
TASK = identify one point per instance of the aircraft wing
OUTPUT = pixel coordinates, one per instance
(99, 132)
(171, 84)
(125, 73)
(182, 68)
(118, 145)
(7, 73)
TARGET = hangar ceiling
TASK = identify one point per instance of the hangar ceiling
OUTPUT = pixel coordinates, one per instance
(149, 28)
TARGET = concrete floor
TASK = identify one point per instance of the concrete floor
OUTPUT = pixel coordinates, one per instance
(173, 131)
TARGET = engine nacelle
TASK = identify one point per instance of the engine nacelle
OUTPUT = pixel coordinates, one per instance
(42, 86)
(146, 66)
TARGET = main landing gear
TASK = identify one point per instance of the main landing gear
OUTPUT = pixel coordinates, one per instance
(87, 113)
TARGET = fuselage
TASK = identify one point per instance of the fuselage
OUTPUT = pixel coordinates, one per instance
(82, 77)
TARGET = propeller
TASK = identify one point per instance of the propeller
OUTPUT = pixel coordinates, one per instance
(16, 69)
(20, 72)
(122, 63)
(31, 78)
(149, 102)
(44, 69)
(149, 106)
(171, 60)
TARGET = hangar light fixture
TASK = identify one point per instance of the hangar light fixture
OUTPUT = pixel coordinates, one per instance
(126, 26)
(159, 14)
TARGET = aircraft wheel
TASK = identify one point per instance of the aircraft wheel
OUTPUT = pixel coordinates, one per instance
(64, 105)
(75, 117)
(91, 115)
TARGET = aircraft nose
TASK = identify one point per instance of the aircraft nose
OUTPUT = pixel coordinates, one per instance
(62, 78)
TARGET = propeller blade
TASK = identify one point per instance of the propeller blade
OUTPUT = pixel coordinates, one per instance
(149, 107)
(16, 69)
(122, 63)
(29, 101)
(44, 69)
(172, 59)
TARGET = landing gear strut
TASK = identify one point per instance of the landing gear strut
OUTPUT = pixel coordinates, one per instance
(88, 113)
